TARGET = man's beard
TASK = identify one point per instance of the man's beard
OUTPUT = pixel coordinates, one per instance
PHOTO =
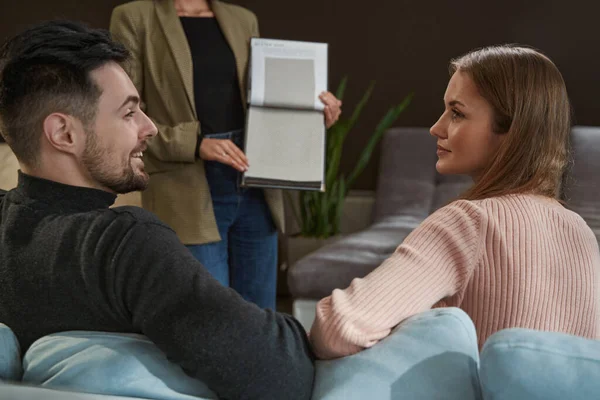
(120, 179)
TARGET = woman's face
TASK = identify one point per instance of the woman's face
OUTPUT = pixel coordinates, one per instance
(466, 141)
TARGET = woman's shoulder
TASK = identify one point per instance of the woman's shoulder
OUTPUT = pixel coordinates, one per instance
(520, 202)
(135, 7)
(458, 213)
(461, 206)
(528, 207)
(131, 18)
(538, 212)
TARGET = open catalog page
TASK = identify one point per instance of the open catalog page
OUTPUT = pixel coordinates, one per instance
(285, 129)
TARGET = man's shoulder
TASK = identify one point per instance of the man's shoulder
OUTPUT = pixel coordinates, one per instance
(120, 222)
(137, 214)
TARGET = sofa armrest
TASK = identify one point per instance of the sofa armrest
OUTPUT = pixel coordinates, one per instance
(26, 392)
(116, 364)
(519, 363)
(432, 355)
(336, 264)
(10, 355)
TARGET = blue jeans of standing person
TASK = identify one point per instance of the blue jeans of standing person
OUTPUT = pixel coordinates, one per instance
(246, 257)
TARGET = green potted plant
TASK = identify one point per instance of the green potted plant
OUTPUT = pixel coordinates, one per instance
(318, 214)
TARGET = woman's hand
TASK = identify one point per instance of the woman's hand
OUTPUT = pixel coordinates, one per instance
(333, 108)
(225, 152)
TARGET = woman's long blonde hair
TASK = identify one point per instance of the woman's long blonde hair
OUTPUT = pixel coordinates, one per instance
(531, 108)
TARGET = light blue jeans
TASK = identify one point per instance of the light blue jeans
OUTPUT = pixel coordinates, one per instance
(246, 257)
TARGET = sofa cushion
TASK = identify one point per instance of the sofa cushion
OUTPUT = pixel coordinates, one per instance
(353, 256)
(520, 364)
(10, 355)
(406, 179)
(432, 355)
(25, 392)
(449, 188)
(109, 363)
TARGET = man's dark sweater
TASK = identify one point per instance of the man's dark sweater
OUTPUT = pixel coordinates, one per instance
(69, 262)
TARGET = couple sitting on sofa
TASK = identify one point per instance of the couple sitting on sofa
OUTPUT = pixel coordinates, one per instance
(507, 252)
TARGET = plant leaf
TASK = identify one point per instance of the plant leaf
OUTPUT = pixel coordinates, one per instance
(292, 204)
(340, 206)
(336, 135)
(359, 108)
(385, 123)
(335, 156)
(304, 212)
(341, 89)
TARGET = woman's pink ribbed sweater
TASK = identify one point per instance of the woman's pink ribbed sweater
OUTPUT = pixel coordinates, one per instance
(511, 261)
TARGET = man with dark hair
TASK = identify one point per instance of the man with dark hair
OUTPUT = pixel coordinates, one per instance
(69, 262)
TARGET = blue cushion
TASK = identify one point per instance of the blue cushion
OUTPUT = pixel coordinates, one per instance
(109, 363)
(521, 364)
(432, 355)
(10, 355)
(24, 392)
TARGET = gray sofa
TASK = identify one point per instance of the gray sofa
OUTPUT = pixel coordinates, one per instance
(408, 190)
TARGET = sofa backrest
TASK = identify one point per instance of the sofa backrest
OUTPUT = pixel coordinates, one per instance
(582, 183)
(405, 183)
(449, 188)
(408, 184)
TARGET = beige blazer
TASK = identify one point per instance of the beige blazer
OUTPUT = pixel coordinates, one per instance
(161, 69)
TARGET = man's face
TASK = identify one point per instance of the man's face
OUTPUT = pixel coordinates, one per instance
(117, 138)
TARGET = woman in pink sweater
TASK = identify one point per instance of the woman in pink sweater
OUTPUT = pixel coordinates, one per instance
(508, 253)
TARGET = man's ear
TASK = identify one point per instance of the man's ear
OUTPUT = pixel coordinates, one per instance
(65, 133)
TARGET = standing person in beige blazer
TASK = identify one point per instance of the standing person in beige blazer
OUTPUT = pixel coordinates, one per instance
(189, 64)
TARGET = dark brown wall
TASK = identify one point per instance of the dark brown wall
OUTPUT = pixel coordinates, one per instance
(403, 45)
